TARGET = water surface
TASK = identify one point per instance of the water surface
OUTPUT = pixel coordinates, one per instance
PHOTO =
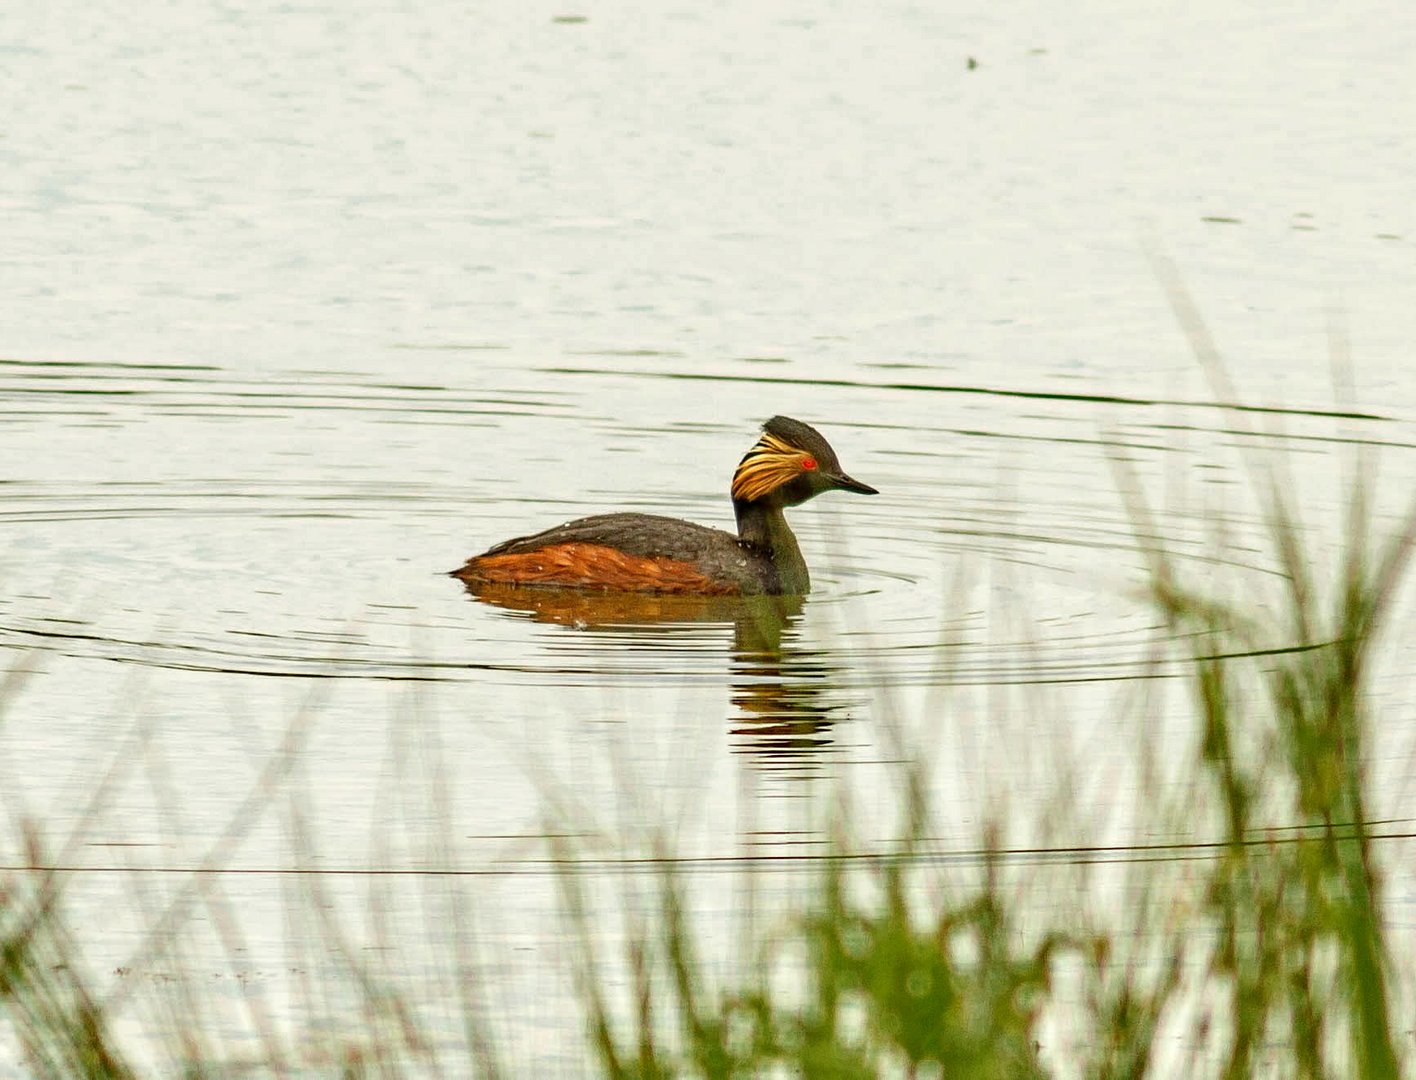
(308, 304)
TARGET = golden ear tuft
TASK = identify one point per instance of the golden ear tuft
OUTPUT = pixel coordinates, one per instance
(767, 466)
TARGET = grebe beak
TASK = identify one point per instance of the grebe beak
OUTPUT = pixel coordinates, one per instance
(846, 483)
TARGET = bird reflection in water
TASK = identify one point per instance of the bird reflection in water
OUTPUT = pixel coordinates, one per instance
(783, 715)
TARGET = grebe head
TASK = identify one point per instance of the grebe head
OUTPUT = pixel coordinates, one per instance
(790, 463)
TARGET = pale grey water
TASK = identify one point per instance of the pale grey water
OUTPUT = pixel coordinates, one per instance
(306, 304)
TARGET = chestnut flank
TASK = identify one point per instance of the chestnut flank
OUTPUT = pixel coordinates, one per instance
(594, 566)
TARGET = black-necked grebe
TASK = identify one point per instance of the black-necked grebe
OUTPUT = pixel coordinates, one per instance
(789, 464)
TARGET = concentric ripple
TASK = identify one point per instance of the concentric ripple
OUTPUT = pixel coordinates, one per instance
(297, 525)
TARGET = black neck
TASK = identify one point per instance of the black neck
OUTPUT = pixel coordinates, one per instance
(762, 525)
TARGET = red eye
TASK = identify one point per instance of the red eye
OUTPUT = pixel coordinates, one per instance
(808, 463)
